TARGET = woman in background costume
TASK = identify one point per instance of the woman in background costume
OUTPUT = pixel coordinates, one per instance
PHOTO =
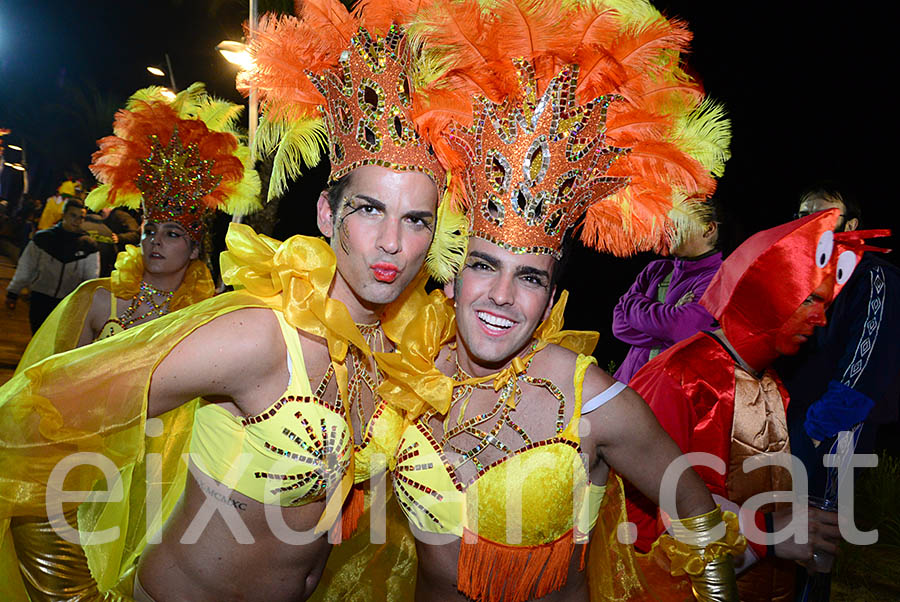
(146, 284)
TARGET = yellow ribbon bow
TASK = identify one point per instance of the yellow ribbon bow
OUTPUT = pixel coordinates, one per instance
(413, 382)
(301, 270)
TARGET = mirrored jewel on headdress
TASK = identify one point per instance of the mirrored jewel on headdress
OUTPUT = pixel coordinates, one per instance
(534, 167)
(174, 180)
(368, 108)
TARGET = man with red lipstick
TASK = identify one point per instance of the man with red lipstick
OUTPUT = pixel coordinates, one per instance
(290, 428)
(716, 393)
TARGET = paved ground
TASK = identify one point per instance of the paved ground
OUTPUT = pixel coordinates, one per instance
(14, 330)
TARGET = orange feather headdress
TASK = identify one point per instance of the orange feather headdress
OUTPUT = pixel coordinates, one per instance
(348, 82)
(329, 78)
(580, 115)
(179, 159)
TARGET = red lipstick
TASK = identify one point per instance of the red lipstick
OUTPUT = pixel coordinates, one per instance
(385, 272)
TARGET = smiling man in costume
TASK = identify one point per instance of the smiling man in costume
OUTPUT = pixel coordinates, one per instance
(716, 393)
(506, 470)
(275, 443)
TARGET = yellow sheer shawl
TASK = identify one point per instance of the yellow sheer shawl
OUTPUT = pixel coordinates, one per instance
(93, 399)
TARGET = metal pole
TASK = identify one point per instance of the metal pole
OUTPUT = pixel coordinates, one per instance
(171, 74)
(24, 171)
(254, 103)
(253, 116)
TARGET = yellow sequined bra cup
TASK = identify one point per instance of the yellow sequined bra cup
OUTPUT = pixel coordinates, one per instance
(530, 498)
(380, 438)
(284, 455)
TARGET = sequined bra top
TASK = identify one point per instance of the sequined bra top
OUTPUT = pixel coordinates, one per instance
(533, 496)
(286, 454)
(381, 432)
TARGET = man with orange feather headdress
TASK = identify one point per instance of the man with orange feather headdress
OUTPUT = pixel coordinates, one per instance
(563, 116)
(289, 418)
(165, 274)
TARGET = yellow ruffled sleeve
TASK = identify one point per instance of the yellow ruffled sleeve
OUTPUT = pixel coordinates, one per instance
(299, 271)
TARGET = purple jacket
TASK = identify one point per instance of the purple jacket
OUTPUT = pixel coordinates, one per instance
(645, 323)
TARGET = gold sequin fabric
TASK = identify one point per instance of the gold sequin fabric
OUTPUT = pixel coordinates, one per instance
(535, 166)
(368, 108)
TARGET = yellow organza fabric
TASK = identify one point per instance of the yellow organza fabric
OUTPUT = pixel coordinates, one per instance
(61, 330)
(414, 384)
(59, 333)
(93, 399)
(361, 571)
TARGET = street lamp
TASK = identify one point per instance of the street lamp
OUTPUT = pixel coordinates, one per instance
(235, 53)
(14, 147)
(160, 73)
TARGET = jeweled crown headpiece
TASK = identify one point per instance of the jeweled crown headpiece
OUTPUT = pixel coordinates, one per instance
(179, 159)
(329, 78)
(348, 82)
(582, 117)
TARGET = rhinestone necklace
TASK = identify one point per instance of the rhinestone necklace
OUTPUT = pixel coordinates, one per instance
(498, 416)
(147, 293)
(360, 372)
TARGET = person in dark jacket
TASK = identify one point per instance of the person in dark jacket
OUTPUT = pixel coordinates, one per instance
(105, 238)
(54, 263)
(126, 229)
(848, 379)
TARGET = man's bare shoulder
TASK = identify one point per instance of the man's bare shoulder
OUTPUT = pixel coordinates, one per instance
(557, 361)
(244, 331)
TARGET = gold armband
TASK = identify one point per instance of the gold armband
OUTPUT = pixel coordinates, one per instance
(701, 547)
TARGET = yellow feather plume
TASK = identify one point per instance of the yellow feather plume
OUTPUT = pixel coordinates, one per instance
(218, 115)
(295, 143)
(450, 244)
(705, 134)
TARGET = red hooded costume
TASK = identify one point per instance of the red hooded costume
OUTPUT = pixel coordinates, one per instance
(729, 403)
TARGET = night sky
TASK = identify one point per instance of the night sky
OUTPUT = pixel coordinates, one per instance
(804, 84)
